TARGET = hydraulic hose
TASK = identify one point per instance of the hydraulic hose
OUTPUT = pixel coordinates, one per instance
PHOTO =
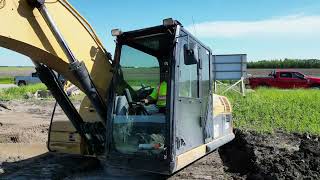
(78, 68)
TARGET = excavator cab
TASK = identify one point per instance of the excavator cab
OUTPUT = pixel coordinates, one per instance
(193, 122)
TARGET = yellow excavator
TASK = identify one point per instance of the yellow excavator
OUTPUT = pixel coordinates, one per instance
(113, 122)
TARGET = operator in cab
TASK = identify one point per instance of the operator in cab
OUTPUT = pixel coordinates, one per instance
(158, 97)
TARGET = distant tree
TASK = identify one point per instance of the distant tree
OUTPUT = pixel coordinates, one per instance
(285, 63)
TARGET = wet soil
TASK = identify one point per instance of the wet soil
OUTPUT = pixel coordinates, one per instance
(23, 153)
(24, 128)
(272, 156)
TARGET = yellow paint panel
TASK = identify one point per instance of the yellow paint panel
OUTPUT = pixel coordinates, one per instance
(190, 156)
(221, 105)
(63, 147)
(63, 125)
(65, 137)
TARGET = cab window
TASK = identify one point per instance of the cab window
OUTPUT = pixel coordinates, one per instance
(205, 69)
(139, 68)
(298, 75)
(139, 115)
(188, 81)
(286, 75)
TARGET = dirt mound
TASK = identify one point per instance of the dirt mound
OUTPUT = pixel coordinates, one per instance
(272, 156)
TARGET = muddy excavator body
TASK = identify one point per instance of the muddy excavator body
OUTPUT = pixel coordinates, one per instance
(113, 121)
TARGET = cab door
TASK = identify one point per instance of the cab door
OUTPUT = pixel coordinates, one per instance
(188, 104)
(205, 92)
(299, 80)
(285, 80)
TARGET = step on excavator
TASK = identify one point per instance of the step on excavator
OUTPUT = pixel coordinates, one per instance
(115, 122)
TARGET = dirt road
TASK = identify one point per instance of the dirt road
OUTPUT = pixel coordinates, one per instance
(23, 153)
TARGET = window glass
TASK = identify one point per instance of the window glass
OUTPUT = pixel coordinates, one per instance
(286, 75)
(188, 78)
(298, 75)
(205, 78)
(139, 68)
(138, 128)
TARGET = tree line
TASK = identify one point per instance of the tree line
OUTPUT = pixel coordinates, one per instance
(285, 63)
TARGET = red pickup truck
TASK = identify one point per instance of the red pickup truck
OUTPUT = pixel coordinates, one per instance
(286, 79)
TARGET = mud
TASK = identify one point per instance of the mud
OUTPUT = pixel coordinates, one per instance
(272, 156)
(24, 128)
(23, 153)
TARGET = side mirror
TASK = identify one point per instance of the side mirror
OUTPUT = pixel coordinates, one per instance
(191, 55)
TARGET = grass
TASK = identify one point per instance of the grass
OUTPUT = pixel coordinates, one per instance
(137, 83)
(20, 92)
(267, 110)
(6, 80)
(16, 68)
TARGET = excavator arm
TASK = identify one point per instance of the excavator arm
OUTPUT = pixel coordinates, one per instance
(26, 30)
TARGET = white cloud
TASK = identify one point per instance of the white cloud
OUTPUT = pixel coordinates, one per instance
(287, 26)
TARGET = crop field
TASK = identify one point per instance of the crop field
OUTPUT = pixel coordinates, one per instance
(15, 71)
(6, 80)
(268, 110)
(138, 76)
(133, 75)
(7, 73)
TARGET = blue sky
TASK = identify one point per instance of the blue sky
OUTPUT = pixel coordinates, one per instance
(266, 29)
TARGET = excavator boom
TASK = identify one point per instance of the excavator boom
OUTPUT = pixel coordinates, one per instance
(25, 31)
(57, 38)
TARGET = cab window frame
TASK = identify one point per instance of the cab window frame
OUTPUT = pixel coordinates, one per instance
(188, 39)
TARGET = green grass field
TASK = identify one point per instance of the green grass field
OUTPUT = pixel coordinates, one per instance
(267, 110)
(20, 92)
(15, 71)
(16, 68)
(6, 80)
(138, 76)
